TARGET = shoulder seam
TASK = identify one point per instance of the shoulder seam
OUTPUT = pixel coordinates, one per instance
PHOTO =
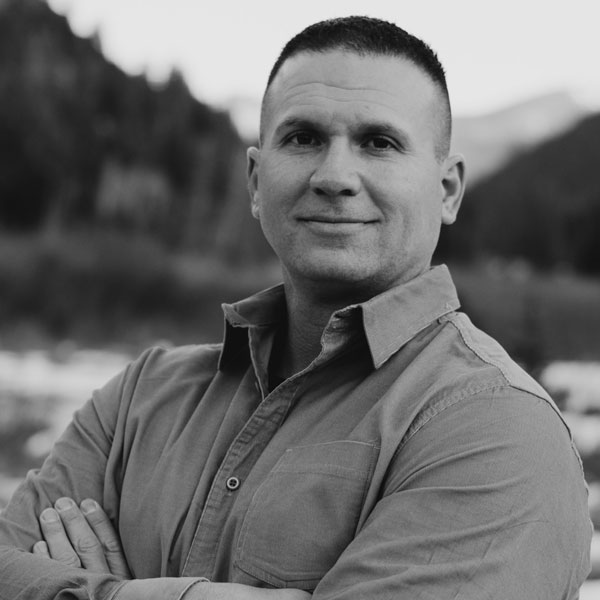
(442, 404)
(535, 389)
(451, 318)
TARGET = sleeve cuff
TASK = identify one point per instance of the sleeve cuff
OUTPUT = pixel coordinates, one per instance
(193, 583)
(163, 588)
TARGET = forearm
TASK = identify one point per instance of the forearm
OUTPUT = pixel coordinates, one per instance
(235, 591)
(28, 577)
(185, 588)
(164, 588)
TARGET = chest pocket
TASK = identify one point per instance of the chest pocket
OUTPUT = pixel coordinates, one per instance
(305, 513)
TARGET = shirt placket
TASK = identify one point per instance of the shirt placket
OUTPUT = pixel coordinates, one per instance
(239, 460)
(254, 437)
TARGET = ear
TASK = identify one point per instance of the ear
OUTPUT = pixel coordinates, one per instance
(453, 183)
(253, 158)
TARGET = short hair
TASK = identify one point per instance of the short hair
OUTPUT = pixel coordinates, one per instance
(369, 36)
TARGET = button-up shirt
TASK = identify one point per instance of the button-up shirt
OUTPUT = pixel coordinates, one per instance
(412, 459)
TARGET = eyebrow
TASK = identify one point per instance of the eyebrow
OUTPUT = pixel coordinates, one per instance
(386, 128)
(296, 123)
(373, 127)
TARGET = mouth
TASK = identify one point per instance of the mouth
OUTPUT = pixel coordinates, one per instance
(334, 225)
(336, 220)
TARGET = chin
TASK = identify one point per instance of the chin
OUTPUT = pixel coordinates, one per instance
(336, 272)
(357, 280)
(348, 280)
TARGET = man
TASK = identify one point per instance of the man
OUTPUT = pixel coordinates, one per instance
(355, 436)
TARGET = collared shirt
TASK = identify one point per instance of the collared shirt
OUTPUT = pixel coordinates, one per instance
(412, 459)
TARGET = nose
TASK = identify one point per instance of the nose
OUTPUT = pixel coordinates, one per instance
(336, 175)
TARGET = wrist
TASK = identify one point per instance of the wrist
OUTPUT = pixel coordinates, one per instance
(196, 594)
(160, 588)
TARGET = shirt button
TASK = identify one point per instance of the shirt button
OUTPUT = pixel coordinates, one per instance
(233, 483)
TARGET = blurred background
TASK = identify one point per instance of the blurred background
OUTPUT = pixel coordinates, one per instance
(124, 217)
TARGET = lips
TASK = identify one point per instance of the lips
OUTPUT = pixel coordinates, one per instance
(337, 220)
(335, 227)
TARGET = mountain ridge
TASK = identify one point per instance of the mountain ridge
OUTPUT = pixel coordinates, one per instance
(490, 140)
(542, 206)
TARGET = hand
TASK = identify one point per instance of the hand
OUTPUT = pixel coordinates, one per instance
(81, 537)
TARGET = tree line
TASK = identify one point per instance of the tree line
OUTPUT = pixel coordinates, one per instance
(84, 144)
(542, 207)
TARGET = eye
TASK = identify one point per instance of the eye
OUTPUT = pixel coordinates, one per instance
(303, 138)
(380, 142)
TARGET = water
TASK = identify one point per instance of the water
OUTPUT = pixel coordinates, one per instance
(39, 391)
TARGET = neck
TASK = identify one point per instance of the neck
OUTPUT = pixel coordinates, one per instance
(308, 315)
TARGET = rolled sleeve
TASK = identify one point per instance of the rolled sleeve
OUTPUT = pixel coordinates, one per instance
(484, 501)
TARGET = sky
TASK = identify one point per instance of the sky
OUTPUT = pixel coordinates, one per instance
(495, 52)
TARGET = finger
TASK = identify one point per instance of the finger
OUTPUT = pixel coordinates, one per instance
(81, 536)
(58, 544)
(106, 534)
(41, 549)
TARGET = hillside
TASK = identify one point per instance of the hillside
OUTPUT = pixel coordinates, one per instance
(490, 140)
(543, 206)
(83, 143)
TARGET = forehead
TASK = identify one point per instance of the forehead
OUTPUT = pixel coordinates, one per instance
(338, 82)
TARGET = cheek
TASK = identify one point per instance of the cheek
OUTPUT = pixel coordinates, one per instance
(413, 214)
(278, 186)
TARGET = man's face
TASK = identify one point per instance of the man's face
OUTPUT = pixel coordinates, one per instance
(346, 184)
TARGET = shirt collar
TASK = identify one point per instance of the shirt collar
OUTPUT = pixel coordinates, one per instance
(389, 320)
(393, 318)
(264, 310)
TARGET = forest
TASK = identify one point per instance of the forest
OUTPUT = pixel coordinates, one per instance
(124, 213)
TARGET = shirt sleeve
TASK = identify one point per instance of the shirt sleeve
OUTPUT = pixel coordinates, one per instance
(485, 500)
(76, 467)
(164, 588)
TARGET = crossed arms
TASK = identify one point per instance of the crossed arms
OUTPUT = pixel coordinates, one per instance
(83, 537)
(462, 510)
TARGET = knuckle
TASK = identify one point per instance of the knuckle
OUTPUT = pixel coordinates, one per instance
(112, 546)
(69, 559)
(86, 546)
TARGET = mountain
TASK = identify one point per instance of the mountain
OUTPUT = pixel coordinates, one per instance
(543, 206)
(489, 141)
(83, 143)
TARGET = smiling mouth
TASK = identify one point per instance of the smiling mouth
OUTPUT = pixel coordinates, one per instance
(333, 221)
(335, 227)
